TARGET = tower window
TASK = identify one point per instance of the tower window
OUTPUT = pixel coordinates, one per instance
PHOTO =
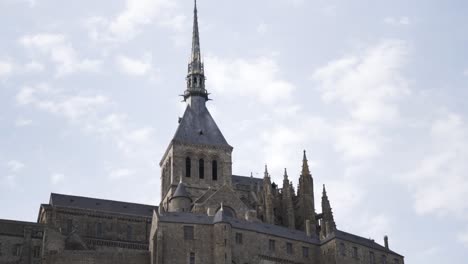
(238, 238)
(129, 232)
(214, 168)
(201, 169)
(271, 245)
(192, 258)
(342, 249)
(99, 229)
(372, 257)
(384, 259)
(355, 252)
(37, 252)
(289, 248)
(69, 226)
(305, 252)
(188, 232)
(188, 167)
(17, 250)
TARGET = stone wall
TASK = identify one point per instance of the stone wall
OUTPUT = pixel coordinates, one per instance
(350, 252)
(103, 231)
(96, 257)
(20, 242)
(215, 243)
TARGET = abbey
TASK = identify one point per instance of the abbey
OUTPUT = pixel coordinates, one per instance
(206, 215)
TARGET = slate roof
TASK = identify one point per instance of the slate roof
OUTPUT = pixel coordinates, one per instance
(359, 240)
(246, 180)
(101, 205)
(180, 191)
(197, 126)
(259, 227)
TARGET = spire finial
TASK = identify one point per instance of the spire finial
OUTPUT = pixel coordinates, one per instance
(324, 191)
(221, 202)
(305, 165)
(285, 174)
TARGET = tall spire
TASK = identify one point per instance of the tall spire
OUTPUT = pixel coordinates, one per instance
(196, 72)
(328, 221)
(305, 165)
(196, 54)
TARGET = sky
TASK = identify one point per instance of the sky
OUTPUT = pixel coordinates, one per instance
(374, 91)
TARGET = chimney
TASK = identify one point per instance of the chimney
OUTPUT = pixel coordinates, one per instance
(386, 241)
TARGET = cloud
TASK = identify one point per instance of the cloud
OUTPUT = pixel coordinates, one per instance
(463, 238)
(439, 181)
(15, 166)
(136, 67)
(369, 85)
(57, 178)
(282, 141)
(258, 78)
(61, 52)
(136, 14)
(21, 122)
(141, 135)
(6, 69)
(34, 66)
(397, 21)
(120, 174)
(262, 28)
(465, 72)
(72, 107)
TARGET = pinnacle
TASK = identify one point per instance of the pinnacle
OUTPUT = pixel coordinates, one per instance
(305, 165)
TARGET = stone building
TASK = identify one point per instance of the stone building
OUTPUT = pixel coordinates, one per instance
(206, 214)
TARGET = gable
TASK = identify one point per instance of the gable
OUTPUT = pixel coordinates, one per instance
(228, 197)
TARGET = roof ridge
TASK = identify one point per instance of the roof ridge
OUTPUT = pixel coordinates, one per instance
(101, 199)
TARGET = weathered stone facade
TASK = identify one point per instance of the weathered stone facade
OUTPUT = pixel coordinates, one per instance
(206, 214)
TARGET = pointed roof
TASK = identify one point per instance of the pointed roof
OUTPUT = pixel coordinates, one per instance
(180, 191)
(197, 126)
(305, 165)
(196, 54)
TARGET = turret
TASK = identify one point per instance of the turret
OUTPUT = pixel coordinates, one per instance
(287, 202)
(268, 198)
(306, 207)
(180, 200)
(328, 222)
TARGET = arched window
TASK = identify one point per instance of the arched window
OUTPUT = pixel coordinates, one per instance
(201, 169)
(214, 168)
(188, 166)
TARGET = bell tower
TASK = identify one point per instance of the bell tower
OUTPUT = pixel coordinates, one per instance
(198, 154)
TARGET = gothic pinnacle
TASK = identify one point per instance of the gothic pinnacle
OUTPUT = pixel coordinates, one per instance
(266, 171)
(305, 165)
